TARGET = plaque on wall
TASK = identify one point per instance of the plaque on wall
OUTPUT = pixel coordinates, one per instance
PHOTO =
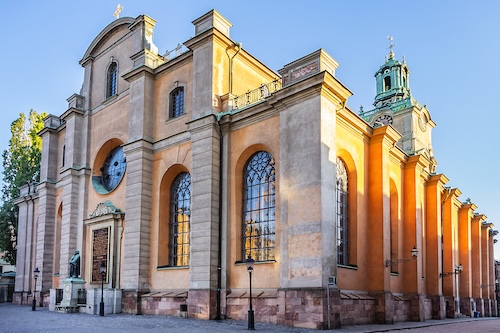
(100, 251)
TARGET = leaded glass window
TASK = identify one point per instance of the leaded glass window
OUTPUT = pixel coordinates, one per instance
(112, 80)
(180, 212)
(259, 208)
(177, 102)
(342, 214)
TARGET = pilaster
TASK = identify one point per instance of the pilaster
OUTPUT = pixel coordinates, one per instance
(204, 215)
(465, 215)
(45, 234)
(383, 140)
(414, 213)
(434, 215)
(26, 241)
(450, 242)
(138, 218)
(487, 259)
(475, 254)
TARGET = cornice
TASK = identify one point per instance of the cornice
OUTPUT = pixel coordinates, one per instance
(137, 72)
(385, 134)
(72, 111)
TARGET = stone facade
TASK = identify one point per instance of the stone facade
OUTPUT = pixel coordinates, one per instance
(349, 223)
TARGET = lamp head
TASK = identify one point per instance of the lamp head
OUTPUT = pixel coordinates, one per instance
(249, 262)
(414, 252)
(460, 268)
(37, 272)
(102, 268)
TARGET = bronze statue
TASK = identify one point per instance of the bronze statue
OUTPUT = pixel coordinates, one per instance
(74, 265)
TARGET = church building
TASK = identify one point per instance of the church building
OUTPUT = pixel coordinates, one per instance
(170, 173)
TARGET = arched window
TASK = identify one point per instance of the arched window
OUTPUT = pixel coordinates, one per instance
(63, 155)
(387, 83)
(180, 212)
(259, 208)
(342, 214)
(177, 102)
(112, 80)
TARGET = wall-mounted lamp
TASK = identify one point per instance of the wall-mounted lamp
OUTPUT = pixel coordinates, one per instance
(458, 270)
(391, 262)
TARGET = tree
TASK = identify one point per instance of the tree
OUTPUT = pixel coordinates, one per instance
(21, 165)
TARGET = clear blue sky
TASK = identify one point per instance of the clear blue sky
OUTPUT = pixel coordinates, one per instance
(451, 47)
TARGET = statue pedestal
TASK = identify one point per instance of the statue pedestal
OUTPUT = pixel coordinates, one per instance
(70, 292)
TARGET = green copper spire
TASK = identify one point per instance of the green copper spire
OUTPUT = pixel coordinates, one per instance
(393, 86)
(392, 80)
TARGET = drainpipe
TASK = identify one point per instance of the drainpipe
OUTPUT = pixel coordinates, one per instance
(219, 243)
(231, 69)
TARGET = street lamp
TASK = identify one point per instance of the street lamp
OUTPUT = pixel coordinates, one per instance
(249, 262)
(102, 269)
(391, 262)
(458, 269)
(33, 304)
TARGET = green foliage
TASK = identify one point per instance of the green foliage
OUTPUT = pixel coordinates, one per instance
(21, 164)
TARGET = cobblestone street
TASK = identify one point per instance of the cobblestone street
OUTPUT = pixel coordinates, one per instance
(20, 319)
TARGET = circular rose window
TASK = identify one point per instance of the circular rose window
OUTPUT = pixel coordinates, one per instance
(111, 171)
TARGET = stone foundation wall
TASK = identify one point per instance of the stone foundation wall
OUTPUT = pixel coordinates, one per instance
(357, 309)
(164, 303)
(428, 309)
(438, 307)
(302, 307)
(402, 308)
(292, 307)
(467, 306)
(131, 301)
(265, 306)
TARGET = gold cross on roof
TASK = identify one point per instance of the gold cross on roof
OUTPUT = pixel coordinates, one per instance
(118, 10)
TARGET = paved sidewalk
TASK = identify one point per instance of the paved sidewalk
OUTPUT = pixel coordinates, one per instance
(20, 319)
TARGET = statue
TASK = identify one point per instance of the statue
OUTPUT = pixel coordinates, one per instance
(74, 265)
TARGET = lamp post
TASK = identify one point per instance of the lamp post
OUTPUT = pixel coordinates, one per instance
(102, 269)
(33, 304)
(249, 262)
(458, 269)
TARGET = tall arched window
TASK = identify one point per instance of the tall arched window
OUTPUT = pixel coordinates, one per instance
(259, 208)
(180, 212)
(177, 102)
(112, 80)
(342, 214)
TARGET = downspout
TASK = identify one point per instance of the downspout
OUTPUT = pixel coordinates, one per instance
(219, 243)
(231, 69)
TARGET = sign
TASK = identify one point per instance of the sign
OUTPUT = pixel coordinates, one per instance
(100, 250)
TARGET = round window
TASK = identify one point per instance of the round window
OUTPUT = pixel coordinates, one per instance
(112, 171)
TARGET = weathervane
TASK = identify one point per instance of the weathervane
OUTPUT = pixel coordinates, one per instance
(391, 45)
(118, 10)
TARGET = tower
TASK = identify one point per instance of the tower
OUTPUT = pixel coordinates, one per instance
(395, 106)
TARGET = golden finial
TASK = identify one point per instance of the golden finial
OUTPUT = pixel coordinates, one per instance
(391, 45)
(118, 10)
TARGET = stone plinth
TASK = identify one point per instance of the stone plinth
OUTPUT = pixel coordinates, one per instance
(70, 294)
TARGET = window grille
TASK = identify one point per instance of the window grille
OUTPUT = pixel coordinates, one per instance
(180, 212)
(177, 102)
(342, 215)
(259, 208)
(112, 80)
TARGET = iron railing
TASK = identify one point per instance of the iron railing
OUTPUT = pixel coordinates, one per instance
(256, 95)
(180, 49)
